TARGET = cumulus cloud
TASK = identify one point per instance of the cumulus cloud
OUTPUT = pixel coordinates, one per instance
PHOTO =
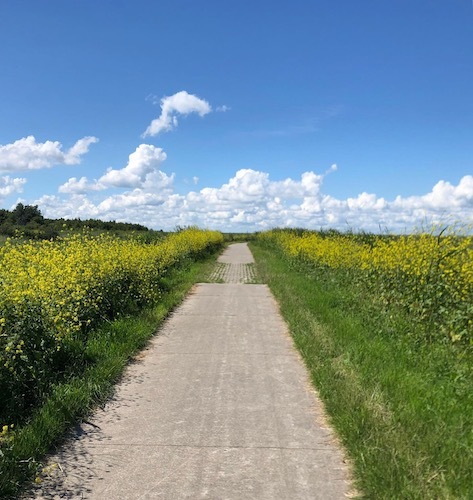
(82, 185)
(134, 199)
(246, 186)
(27, 154)
(251, 200)
(145, 160)
(444, 196)
(251, 186)
(10, 185)
(366, 201)
(181, 103)
(141, 171)
(70, 207)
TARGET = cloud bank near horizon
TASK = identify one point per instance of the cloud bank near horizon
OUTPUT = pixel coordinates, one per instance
(251, 200)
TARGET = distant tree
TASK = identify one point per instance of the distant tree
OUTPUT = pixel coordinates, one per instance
(23, 214)
(4, 215)
(28, 221)
(7, 228)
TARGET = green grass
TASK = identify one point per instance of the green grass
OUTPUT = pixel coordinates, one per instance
(402, 408)
(109, 350)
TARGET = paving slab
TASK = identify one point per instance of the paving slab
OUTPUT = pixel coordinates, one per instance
(235, 254)
(219, 406)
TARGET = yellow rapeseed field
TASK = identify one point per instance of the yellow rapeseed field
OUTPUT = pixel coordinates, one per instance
(53, 292)
(429, 275)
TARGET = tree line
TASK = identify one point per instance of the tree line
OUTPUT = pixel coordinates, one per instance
(28, 221)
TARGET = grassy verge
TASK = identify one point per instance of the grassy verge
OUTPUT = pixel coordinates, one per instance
(109, 350)
(402, 408)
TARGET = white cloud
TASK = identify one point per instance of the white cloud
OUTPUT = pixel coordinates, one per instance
(141, 171)
(82, 185)
(444, 196)
(333, 168)
(145, 160)
(9, 185)
(247, 186)
(181, 103)
(251, 200)
(80, 148)
(223, 109)
(366, 201)
(134, 199)
(71, 207)
(27, 154)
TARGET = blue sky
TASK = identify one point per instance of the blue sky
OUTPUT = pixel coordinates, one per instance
(305, 113)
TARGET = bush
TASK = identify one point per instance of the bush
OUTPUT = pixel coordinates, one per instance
(428, 275)
(53, 292)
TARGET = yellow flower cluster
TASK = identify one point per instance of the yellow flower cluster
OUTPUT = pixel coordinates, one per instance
(6, 434)
(430, 275)
(74, 279)
(55, 291)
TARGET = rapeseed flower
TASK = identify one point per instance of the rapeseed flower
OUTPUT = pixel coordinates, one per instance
(53, 292)
(430, 275)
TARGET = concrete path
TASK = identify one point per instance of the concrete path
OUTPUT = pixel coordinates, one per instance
(218, 407)
(235, 265)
